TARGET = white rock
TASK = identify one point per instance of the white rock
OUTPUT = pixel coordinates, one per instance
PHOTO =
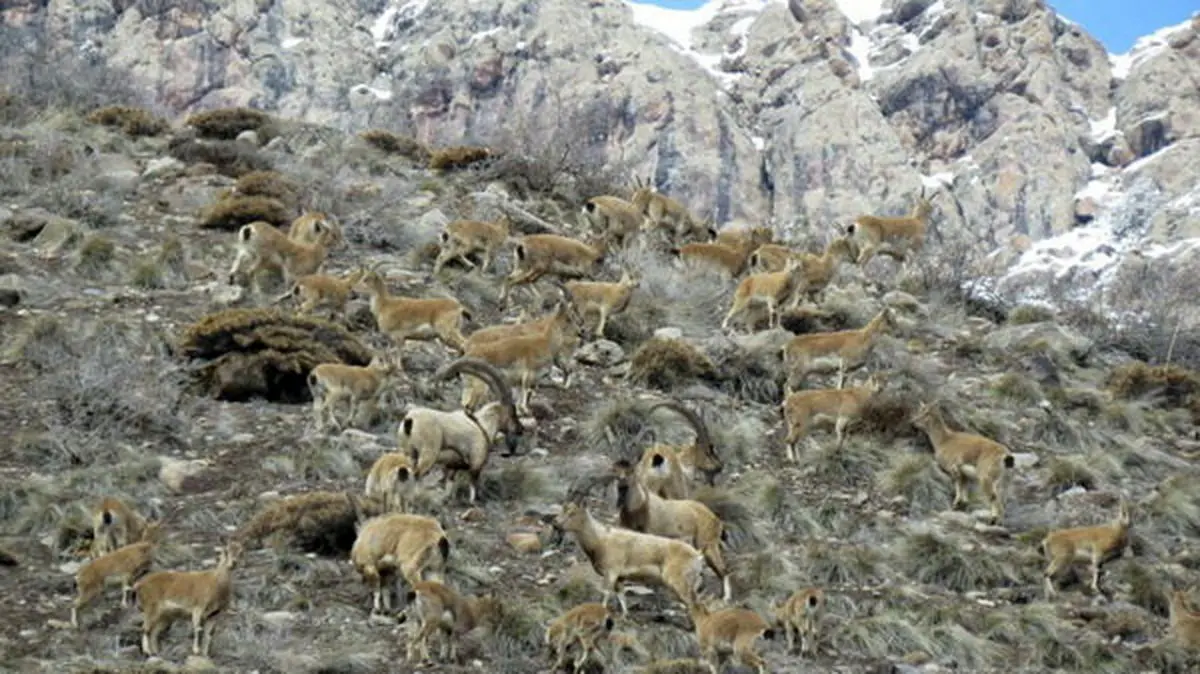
(668, 333)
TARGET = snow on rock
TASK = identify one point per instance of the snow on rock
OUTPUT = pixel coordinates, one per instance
(861, 11)
(678, 26)
(860, 49)
(1145, 48)
(383, 29)
(1103, 129)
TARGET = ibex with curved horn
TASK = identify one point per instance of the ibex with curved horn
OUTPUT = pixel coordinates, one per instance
(461, 440)
(668, 470)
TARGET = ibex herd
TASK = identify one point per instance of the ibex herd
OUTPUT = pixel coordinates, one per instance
(664, 534)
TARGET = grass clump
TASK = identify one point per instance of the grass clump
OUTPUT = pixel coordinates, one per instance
(231, 213)
(270, 184)
(457, 157)
(320, 522)
(394, 143)
(667, 363)
(1063, 473)
(1029, 313)
(96, 254)
(932, 558)
(148, 275)
(133, 121)
(1172, 385)
(228, 123)
(228, 157)
(264, 353)
(1017, 388)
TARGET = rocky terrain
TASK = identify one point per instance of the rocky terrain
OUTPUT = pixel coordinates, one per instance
(116, 242)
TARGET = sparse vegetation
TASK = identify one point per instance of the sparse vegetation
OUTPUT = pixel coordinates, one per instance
(231, 213)
(203, 431)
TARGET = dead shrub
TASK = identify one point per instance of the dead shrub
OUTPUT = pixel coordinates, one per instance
(270, 184)
(460, 156)
(888, 414)
(319, 522)
(231, 213)
(667, 363)
(264, 353)
(228, 123)
(230, 158)
(133, 121)
(1029, 313)
(394, 143)
(805, 320)
(1171, 385)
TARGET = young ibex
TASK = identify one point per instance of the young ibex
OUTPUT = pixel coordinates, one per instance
(114, 525)
(392, 479)
(730, 630)
(523, 326)
(317, 227)
(404, 318)
(612, 217)
(414, 545)
(585, 625)
(771, 288)
(770, 257)
(460, 238)
(604, 299)
(661, 211)
(619, 555)
(461, 440)
(524, 356)
(1185, 623)
(639, 509)
(540, 254)
(819, 270)
(802, 408)
(964, 457)
(800, 616)
(360, 387)
(668, 471)
(325, 291)
(126, 564)
(901, 235)
(260, 246)
(166, 596)
(439, 608)
(850, 348)
(728, 252)
(1097, 544)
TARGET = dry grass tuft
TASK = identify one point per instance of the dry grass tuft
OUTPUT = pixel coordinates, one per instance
(457, 157)
(320, 522)
(394, 143)
(1063, 473)
(888, 416)
(916, 478)
(228, 123)
(961, 566)
(1175, 508)
(667, 363)
(1030, 313)
(1018, 388)
(258, 352)
(231, 213)
(133, 121)
(96, 254)
(1170, 385)
(270, 184)
(230, 158)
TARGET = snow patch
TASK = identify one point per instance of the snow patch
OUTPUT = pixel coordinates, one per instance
(483, 35)
(1144, 49)
(290, 42)
(677, 25)
(379, 94)
(938, 180)
(1103, 129)
(860, 49)
(861, 11)
(383, 29)
(760, 143)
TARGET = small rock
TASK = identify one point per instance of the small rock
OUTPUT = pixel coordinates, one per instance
(473, 515)
(242, 438)
(279, 618)
(70, 568)
(249, 137)
(180, 476)
(901, 300)
(224, 295)
(668, 333)
(163, 167)
(1026, 459)
(601, 353)
(525, 543)
(9, 297)
(121, 181)
(433, 219)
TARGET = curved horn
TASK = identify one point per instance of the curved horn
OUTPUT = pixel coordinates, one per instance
(489, 374)
(583, 486)
(703, 439)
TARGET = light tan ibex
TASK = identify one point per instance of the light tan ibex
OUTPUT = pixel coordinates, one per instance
(602, 298)
(166, 596)
(966, 456)
(538, 255)
(1097, 544)
(669, 470)
(661, 211)
(460, 238)
(414, 545)
(902, 236)
(404, 318)
(438, 608)
(802, 408)
(850, 348)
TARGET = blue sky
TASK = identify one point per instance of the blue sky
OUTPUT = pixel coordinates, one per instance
(1116, 23)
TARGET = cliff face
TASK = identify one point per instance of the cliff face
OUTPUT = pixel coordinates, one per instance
(746, 109)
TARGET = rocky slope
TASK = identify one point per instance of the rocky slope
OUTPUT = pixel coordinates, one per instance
(110, 254)
(802, 113)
